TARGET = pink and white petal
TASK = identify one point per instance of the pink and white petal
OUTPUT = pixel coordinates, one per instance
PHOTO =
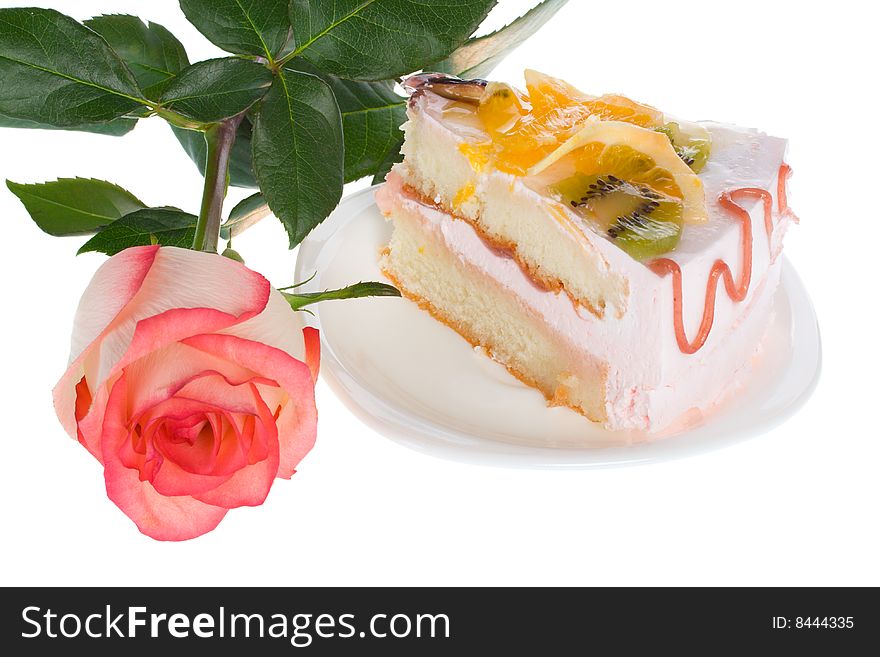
(246, 487)
(240, 377)
(159, 517)
(229, 453)
(89, 428)
(163, 372)
(170, 480)
(277, 326)
(274, 396)
(185, 279)
(250, 485)
(170, 408)
(298, 430)
(219, 403)
(216, 390)
(172, 326)
(228, 413)
(114, 285)
(213, 395)
(267, 362)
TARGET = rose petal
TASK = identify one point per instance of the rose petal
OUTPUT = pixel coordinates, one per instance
(163, 463)
(172, 326)
(160, 517)
(297, 430)
(175, 411)
(250, 485)
(215, 389)
(115, 283)
(81, 406)
(277, 326)
(163, 372)
(236, 448)
(312, 341)
(195, 287)
(297, 423)
(170, 480)
(89, 427)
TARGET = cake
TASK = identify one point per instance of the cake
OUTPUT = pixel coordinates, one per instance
(621, 261)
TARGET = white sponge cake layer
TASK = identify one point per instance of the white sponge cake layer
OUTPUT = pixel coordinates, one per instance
(426, 269)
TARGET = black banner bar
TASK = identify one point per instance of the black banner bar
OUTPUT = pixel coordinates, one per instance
(419, 621)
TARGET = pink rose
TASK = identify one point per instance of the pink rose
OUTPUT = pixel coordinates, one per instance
(192, 381)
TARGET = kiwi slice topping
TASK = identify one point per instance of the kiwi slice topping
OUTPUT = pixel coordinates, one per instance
(691, 142)
(641, 221)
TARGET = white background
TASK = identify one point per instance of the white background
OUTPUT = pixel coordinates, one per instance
(796, 506)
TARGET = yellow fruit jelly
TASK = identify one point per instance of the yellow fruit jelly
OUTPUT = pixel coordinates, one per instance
(463, 195)
(477, 154)
(525, 128)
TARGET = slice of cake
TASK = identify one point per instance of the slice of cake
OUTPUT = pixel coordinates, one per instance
(620, 261)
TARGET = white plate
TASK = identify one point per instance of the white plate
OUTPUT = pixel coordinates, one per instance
(416, 381)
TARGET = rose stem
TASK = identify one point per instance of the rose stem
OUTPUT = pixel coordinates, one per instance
(220, 138)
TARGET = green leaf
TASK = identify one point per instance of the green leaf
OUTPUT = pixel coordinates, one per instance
(394, 156)
(298, 151)
(241, 170)
(74, 206)
(371, 117)
(244, 215)
(217, 89)
(165, 226)
(477, 57)
(381, 39)
(356, 291)
(243, 27)
(114, 128)
(151, 52)
(58, 72)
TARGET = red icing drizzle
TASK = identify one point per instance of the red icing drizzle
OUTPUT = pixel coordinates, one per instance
(736, 290)
(782, 193)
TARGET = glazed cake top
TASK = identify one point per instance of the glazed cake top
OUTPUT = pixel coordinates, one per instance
(646, 182)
